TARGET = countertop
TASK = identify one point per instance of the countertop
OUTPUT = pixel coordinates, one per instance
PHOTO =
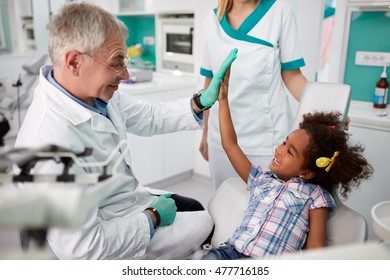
(160, 82)
(363, 114)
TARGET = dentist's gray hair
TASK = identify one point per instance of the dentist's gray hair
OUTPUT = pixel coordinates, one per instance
(82, 27)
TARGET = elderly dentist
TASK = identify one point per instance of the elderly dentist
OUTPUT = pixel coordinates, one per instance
(76, 105)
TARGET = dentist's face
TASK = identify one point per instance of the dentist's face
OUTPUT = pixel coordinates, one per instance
(107, 69)
(289, 158)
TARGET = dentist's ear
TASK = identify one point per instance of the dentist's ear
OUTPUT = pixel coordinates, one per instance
(72, 61)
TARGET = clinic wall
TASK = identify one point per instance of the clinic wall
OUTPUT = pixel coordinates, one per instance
(4, 18)
(309, 17)
(140, 27)
(369, 31)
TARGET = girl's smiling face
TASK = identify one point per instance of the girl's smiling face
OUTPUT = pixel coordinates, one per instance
(289, 156)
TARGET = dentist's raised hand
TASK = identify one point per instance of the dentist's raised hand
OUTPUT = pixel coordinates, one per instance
(210, 95)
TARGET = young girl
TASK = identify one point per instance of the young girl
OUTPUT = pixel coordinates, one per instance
(289, 204)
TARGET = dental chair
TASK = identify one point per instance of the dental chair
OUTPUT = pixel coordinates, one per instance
(19, 96)
(228, 204)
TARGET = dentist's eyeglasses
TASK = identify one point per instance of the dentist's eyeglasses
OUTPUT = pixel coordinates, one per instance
(117, 69)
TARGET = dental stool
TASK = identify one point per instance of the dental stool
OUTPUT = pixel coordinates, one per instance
(228, 205)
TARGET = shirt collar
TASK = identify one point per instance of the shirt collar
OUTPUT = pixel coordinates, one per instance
(100, 105)
(292, 180)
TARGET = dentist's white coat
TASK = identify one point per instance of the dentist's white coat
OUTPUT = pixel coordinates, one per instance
(117, 228)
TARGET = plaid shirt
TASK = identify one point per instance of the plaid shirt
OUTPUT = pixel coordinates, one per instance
(277, 218)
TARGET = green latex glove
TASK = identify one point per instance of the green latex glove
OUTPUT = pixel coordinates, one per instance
(166, 208)
(210, 95)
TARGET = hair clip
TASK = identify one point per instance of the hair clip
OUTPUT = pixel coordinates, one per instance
(331, 126)
(326, 162)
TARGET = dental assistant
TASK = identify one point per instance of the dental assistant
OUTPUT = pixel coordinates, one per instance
(77, 105)
(269, 57)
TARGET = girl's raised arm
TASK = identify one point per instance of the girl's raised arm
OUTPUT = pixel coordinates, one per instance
(238, 159)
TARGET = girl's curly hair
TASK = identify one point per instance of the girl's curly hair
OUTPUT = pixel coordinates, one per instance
(326, 137)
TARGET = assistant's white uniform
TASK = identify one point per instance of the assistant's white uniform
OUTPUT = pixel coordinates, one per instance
(117, 228)
(267, 43)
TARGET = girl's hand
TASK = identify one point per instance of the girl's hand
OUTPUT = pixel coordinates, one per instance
(224, 86)
(210, 95)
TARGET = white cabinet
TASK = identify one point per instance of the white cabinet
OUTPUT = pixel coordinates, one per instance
(175, 5)
(370, 2)
(374, 133)
(161, 157)
(24, 24)
(376, 189)
(147, 153)
(125, 6)
(178, 147)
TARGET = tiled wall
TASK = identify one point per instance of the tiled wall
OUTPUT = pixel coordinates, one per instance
(139, 27)
(369, 31)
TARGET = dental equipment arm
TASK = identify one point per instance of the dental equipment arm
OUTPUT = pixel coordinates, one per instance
(55, 204)
(26, 159)
(50, 206)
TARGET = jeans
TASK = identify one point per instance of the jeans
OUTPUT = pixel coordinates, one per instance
(227, 252)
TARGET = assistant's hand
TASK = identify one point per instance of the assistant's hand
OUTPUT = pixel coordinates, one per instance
(210, 95)
(166, 208)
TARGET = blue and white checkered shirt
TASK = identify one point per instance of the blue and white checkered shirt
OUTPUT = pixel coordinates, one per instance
(277, 218)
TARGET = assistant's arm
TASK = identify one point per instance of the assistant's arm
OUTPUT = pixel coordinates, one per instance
(295, 82)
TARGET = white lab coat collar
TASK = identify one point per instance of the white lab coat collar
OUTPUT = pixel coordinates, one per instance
(71, 110)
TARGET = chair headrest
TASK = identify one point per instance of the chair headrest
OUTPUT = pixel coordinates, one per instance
(34, 64)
